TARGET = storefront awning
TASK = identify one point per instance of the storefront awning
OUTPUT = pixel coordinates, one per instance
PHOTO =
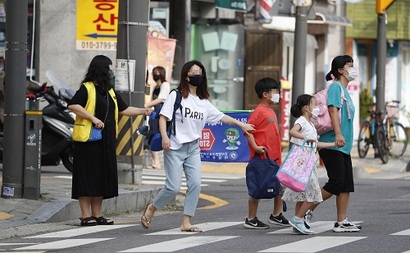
(282, 23)
(330, 19)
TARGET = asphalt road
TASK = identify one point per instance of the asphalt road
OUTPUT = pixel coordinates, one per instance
(381, 206)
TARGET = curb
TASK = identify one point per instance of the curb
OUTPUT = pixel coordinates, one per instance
(63, 209)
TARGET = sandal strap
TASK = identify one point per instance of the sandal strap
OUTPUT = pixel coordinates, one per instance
(103, 220)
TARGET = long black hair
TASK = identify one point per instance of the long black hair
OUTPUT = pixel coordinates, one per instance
(202, 90)
(338, 62)
(302, 100)
(99, 72)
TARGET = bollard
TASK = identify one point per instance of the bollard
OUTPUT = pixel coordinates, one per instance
(32, 154)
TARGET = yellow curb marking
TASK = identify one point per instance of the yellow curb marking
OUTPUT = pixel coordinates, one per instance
(216, 201)
(371, 170)
(4, 216)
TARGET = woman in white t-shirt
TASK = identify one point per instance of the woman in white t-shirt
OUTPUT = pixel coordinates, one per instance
(303, 130)
(181, 151)
(159, 94)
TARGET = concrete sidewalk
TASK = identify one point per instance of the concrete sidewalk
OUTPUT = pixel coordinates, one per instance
(56, 205)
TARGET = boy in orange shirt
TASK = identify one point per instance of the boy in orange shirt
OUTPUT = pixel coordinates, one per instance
(266, 136)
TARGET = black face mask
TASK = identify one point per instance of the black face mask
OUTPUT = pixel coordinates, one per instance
(196, 80)
(156, 77)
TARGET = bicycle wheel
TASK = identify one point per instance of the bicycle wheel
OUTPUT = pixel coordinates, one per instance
(398, 140)
(364, 140)
(382, 144)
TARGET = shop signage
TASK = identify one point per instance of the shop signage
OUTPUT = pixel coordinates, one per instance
(237, 5)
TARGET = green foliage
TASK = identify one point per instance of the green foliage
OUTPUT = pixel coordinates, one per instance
(366, 103)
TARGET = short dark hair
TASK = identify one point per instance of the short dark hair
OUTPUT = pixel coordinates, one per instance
(338, 62)
(202, 90)
(265, 85)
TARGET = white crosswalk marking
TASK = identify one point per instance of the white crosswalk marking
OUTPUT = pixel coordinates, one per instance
(314, 244)
(317, 227)
(79, 231)
(404, 232)
(63, 244)
(158, 178)
(180, 244)
(15, 243)
(203, 226)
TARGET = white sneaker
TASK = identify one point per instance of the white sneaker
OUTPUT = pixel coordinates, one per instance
(346, 226)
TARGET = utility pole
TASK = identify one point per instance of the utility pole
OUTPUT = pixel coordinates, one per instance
(381, 6)
(299, 57)
(14, 99)
(132, 56)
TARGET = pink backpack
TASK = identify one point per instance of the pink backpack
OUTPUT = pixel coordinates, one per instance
(323, 122)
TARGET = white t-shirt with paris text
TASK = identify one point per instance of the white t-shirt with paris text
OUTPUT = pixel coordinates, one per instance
(195, 113)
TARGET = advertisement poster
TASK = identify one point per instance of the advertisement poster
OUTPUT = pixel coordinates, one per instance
(97, 23)
(225, 143)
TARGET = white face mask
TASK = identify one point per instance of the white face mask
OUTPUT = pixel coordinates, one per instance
(275, 98)
(315, 112)
(352, 74)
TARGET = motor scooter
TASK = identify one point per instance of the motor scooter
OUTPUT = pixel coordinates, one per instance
(58, 120)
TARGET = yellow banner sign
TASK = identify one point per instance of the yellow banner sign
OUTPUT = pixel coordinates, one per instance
(97, 22)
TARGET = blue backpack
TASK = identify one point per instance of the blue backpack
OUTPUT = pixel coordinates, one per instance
(154, 136)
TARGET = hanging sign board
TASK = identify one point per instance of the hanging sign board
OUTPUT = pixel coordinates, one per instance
(236, 5)
(123, 71)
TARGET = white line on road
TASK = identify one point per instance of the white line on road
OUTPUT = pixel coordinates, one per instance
(314, 244)
(79, 231)
(203, 226)
(404, 232)
(63, 244)
(317, 227)
(179, 244)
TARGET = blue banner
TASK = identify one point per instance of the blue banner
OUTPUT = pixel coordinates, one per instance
(225, 143)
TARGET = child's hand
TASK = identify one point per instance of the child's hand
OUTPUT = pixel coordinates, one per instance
(260, 149)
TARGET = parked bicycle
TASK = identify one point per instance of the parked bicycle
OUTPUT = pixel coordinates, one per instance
(384, 132)
(396, 133)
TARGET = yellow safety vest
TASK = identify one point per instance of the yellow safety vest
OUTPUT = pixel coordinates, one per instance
(82, 126)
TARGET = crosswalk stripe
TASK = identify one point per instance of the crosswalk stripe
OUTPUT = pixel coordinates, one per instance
(63, 244)
(404, 232)
(314, 244)
(79, 231)
(15, 243)
(203, 226)
(179, 244)
(151, 182)
(317, 227)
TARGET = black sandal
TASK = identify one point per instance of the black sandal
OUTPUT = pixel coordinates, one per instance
(103, 221)
(88, 221)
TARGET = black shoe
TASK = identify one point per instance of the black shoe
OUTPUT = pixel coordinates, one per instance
(279, 220)
(255, 224)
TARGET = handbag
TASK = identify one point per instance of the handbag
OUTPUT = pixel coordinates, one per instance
(261, 177)
(96, 133)
(296, 169)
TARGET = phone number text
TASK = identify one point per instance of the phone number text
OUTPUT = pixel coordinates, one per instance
(98, 45)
